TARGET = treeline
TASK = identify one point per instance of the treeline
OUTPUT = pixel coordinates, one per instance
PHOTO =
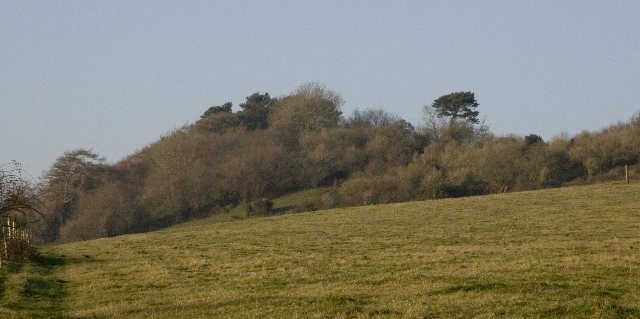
(275, 146)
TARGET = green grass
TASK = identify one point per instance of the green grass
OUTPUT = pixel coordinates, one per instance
(299, 202)
(562, 253)
(294, 203)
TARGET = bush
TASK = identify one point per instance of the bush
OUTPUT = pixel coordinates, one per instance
(19, 249)
(260, 207)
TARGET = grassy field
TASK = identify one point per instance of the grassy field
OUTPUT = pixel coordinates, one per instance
(562, 253)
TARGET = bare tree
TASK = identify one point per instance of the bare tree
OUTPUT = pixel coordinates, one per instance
(19, 200)
(435, 126)
(370, 118)
(17, 194)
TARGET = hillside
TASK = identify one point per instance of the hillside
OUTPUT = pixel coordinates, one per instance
(562, 253)
(274, 147)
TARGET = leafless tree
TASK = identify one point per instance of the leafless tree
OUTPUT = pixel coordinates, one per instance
(18, 195)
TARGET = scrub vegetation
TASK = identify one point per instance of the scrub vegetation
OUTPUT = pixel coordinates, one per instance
(571, 252)
(276, 146)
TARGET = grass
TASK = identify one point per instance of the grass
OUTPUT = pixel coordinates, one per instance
(32, 289)
(294, 203)
(562, 253)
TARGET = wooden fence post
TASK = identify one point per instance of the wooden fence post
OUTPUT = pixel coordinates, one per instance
(626, 173)
(3, 239)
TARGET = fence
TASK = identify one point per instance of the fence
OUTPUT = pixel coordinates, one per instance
(12, 238)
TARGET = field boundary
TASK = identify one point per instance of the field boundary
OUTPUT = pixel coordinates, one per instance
(12, 235)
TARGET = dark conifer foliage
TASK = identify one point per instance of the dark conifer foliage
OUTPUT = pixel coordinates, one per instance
(459, 105)
(255, 111)
(224, 108)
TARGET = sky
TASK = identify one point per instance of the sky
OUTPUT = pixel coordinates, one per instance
(114, 76)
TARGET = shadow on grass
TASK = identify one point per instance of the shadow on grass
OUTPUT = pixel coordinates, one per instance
(9, 267)
(592, 300)
(470, 287)
(41, 295)
(348, 306)
(612, 310)
(295, 209)
(284, 209)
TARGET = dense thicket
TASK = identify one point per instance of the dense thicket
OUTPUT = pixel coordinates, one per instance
(274, 146)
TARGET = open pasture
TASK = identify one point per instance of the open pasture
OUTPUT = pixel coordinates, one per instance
(561, 253)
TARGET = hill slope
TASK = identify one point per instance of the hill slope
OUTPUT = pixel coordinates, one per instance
(571, 252)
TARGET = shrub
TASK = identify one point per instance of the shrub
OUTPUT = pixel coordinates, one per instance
(19, 249)
(260, 207)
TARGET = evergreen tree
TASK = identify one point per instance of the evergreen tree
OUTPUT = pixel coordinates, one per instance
(459, 105)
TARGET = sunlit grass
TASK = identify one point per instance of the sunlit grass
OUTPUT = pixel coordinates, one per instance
(563, 253)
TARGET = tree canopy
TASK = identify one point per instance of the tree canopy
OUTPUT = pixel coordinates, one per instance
(311, 107)
(224, 108)
(459, 105)
(255, 111)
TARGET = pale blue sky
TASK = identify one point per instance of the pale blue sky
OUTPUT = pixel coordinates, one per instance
(114, 76)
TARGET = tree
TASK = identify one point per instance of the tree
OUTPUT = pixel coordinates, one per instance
(224, 108)
(18, 198)
(17, 195)
(370, 118)
(218, 123)
(73, 172)
(436, 127)
(255, 111)
(532, 139)
(461, 127)
(172, 189)
(310, 108)
(332, 155)
(391, 146)
(459, 105)
(72, 175)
